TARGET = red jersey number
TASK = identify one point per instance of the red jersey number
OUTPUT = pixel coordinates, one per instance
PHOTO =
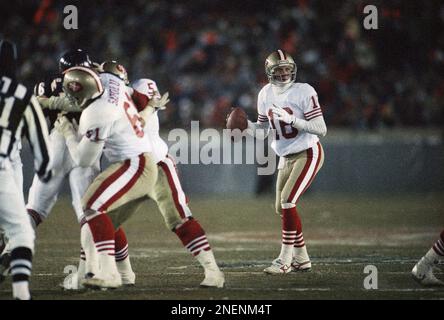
(134, 118)
(284, 129)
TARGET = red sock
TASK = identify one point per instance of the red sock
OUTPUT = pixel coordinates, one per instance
(193, 237)
(102, 230)
(121, 244)
(289, 226)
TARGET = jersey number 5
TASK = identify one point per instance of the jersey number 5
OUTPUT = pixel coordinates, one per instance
(283, 129)
(134, 118)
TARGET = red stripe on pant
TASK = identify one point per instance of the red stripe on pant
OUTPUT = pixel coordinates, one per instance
(173, 188)
(127, 187)
(107, 182)
(316, 167)
(301, 176)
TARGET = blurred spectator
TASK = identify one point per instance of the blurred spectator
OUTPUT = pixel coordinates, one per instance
(210, 54)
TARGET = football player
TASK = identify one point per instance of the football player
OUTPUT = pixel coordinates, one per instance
(109, 124)
(171, 199)
(292, 110)
(174, 208)
(422, 272)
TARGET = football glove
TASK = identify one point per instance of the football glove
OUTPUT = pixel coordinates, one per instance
(283, 115)
(160, 104)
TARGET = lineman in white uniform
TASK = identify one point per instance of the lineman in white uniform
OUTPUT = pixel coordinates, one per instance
(174, 205)
(293, 112)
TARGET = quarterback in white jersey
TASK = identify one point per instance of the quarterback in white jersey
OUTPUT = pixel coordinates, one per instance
(293, 112)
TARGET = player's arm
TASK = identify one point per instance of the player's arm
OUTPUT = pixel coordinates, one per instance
(262, 124)
(85, 152)
(60, 103)
(147, 98)
(36, 132)
(313, 121)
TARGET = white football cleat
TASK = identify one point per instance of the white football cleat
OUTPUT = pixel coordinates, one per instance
(304, 266)
(128, 278)
(214, 278)
(101, 281)
(422, 272)
(277, 267)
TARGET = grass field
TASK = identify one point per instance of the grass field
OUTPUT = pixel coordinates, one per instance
(343, 235)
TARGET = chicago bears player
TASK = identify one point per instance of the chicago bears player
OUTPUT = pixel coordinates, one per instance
(292, 110)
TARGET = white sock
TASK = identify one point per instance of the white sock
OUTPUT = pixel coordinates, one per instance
(300, 254)
(91, 254)
(286, 254)
(207, 260)
(124, 266)
(432, 257)
(20, 290)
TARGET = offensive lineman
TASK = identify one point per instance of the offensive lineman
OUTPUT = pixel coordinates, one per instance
(174, 208)
(20, 113)
(170, 197)
(293, 111)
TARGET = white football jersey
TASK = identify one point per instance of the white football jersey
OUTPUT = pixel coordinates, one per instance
(113, 118)
(160, 148)
(302, 101)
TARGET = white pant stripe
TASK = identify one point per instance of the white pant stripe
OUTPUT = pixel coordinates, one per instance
(309, 174)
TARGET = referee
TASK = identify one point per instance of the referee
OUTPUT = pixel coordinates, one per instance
(20, 114)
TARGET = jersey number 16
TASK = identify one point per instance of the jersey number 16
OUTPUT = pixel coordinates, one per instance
(283, 129)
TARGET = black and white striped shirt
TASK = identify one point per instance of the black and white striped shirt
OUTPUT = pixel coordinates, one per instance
(20, 114)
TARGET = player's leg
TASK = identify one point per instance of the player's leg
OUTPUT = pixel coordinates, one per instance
(123, 259)
(79, 180)
(282, 263)
(118, 185)
(423, 270)
(15, 221)
(296, 176)
(173, 205)
(304, 169)
(43, 196)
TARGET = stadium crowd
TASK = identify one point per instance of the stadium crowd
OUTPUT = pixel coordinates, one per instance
(209, 54)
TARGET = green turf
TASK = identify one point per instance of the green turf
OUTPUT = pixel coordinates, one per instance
(344, 233)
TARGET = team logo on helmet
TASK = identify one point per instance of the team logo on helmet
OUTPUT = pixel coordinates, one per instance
(120, 68)
(75, 86)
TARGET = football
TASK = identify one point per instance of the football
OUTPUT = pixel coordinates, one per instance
(237, 119)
